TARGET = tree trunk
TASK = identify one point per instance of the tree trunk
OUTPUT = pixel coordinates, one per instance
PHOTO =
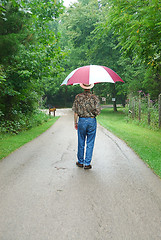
(139, 108)
(149, 114)
(159, 105)
(114, 106)
(114, 96)
(133, 107)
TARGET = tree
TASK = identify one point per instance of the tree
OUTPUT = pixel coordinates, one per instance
(138, 29)
(32, 56)
(75, 26)
(84, 37)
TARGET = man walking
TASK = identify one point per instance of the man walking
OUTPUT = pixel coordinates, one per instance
(86, 107)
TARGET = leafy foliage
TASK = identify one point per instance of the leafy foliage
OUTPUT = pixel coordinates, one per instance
(42, 42)
(23, 122)
(123, 35)
(138, 29)
(83, 36)
(29, 54)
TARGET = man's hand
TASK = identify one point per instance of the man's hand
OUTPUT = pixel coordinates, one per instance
(76, 120)
(76, 126)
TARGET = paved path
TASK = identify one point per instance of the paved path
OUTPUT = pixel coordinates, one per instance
(44, 196)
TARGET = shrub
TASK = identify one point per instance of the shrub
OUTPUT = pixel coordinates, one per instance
(23, 122)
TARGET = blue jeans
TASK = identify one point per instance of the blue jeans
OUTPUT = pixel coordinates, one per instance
(86, 133)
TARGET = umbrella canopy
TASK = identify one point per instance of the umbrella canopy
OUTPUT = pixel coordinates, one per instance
(91, 74)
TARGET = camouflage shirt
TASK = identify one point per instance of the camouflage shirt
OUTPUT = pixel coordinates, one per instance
(86, 104)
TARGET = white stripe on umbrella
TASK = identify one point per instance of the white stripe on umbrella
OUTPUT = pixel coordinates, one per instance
(99, 73)
(114, 75)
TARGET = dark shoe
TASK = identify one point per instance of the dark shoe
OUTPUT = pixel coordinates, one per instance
(79, 164)
(87, 167)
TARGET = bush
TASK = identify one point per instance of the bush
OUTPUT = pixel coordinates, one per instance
(23, 122)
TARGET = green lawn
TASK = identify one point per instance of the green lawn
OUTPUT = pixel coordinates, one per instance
(9, 143)
(145, 142)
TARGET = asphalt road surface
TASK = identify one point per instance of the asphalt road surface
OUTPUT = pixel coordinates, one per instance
(44, 196)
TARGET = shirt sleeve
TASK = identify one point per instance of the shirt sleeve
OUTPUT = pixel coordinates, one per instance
(98, 107)
(75, 105)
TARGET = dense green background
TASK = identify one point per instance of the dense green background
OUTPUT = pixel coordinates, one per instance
(41, 42)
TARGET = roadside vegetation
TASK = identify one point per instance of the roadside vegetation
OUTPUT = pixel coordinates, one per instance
(144, 141)
(23, 122)
(10, 142)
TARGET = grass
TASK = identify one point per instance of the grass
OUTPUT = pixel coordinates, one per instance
(9, 143)
(145, 142)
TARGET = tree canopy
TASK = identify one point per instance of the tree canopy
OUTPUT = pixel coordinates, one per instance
(137, 26)
(42, 42)
(30, 53)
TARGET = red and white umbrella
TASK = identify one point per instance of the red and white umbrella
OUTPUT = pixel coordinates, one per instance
(91, 74)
